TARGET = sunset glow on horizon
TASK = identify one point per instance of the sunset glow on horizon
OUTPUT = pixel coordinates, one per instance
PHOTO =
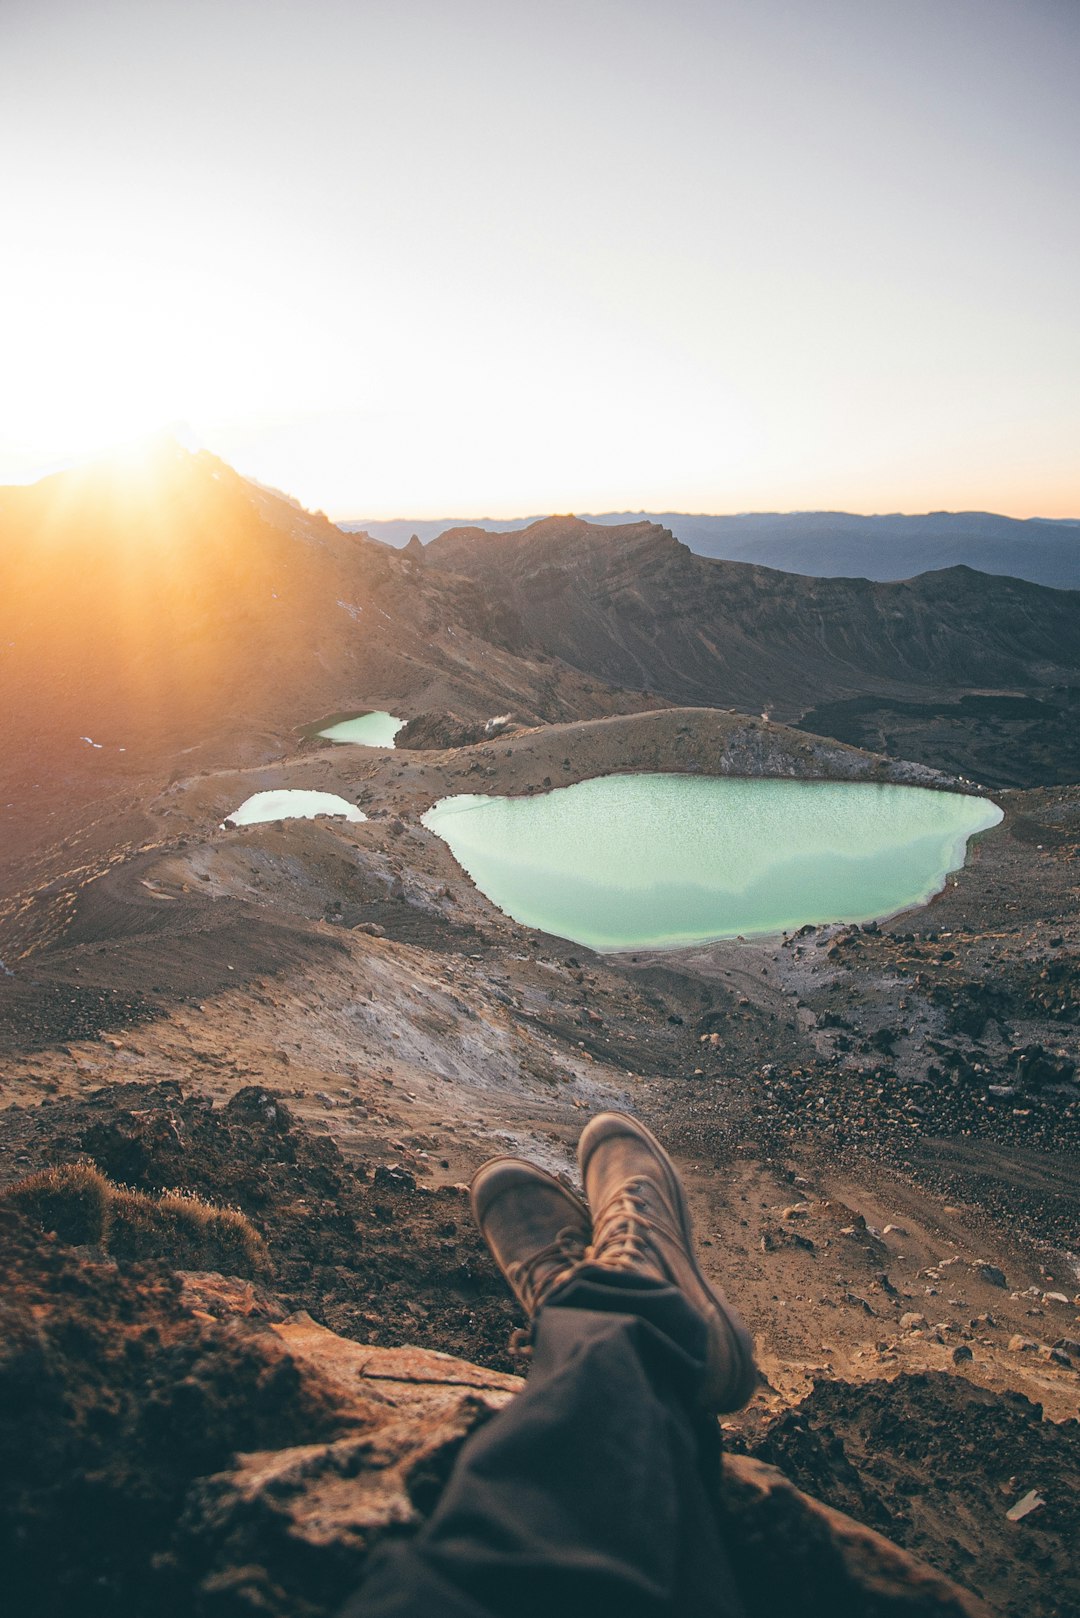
(425, 259)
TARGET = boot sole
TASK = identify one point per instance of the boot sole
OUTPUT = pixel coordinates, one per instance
(729, 1338)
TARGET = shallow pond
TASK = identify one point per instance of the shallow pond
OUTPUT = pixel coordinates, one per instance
(290, 804)
(367, 729)
(640, 861)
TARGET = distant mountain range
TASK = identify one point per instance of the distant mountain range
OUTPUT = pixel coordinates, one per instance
(835, 544)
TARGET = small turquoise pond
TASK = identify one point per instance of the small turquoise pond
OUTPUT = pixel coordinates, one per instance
(290, 804)
(367, 729)
(653, 861)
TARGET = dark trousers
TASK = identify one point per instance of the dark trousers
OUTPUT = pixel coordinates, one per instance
(592, 1492)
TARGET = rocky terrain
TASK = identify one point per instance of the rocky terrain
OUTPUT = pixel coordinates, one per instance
(187, 1445)
(326, 1027)
(1003, 738)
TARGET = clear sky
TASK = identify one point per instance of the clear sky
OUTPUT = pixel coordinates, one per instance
(483, 256)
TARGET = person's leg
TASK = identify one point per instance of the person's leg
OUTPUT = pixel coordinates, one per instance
(594, 1490)
(641, 1228)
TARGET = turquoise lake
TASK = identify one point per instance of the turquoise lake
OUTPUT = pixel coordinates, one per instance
(292, 804)
(366, 730)
(655, 861)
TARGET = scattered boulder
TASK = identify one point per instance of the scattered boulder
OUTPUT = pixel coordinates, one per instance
(1025, 1506)
(392, 1174)
(1056, 1356)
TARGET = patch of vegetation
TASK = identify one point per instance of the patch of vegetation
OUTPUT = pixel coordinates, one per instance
(87, 1209)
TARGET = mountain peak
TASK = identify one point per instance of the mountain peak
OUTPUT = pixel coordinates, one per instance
(559, 541)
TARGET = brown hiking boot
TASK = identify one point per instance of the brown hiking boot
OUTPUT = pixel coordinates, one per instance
(641, 1224)
(537, 1230)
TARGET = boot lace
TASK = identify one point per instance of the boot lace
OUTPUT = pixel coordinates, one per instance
(623, 1234)
(534, 1277)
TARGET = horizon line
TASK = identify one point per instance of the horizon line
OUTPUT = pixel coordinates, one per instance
(194, 447)
(642, 511)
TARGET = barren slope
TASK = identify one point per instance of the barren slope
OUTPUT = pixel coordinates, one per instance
(185, 613)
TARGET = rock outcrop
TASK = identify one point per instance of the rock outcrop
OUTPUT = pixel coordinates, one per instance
(282, 1527)
(312, 1509)
(179, 1444)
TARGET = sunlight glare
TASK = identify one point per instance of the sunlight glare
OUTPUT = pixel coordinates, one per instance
(112, 350)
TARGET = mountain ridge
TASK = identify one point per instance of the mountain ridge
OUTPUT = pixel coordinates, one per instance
(830, 544)
(633, 602)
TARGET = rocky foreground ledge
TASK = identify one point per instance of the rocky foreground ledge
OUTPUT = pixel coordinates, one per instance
(404, 1414)
(176, 1442)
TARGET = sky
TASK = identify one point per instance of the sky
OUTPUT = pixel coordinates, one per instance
(430, 257)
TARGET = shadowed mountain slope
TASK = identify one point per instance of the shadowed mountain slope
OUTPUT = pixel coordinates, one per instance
(632, 604)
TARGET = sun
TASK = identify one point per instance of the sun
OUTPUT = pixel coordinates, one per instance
(112, 351)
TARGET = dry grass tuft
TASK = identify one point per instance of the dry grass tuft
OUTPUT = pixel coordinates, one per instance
(72, 1199)
(85, 1208)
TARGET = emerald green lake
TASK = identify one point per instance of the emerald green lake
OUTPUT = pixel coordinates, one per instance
(654, 861)
(290, 803)
(366, 730)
